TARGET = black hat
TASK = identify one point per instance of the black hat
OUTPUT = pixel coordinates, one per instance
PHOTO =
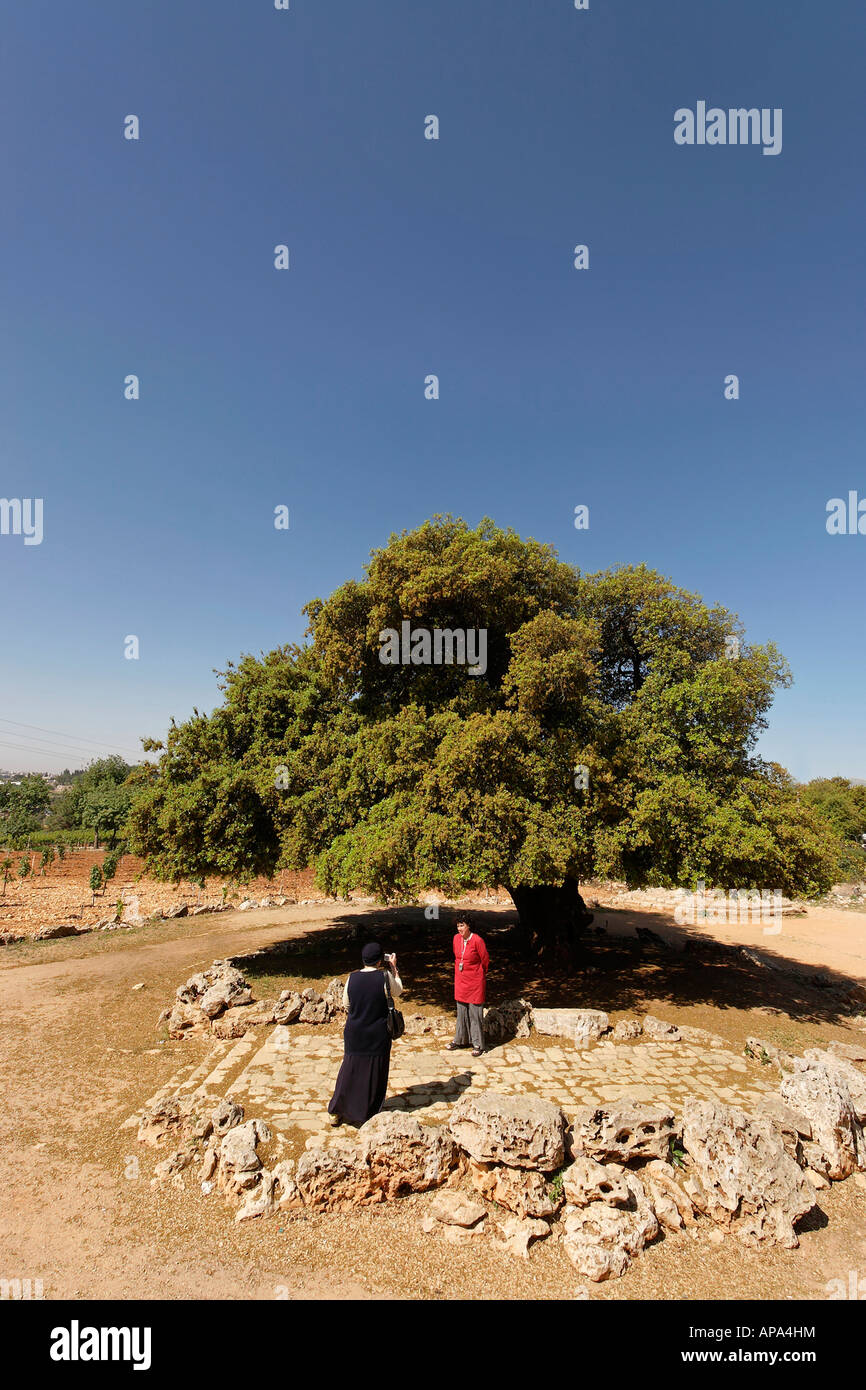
(372, 953)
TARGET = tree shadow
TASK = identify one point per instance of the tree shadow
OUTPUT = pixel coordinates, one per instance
(666, 966)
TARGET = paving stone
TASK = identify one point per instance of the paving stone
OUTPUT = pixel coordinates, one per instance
(292, 1081)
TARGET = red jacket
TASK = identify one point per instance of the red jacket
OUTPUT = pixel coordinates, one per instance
(470, 983)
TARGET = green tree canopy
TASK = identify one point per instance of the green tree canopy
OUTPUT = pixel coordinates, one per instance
(22, 807)
(397, 778)
(842, 804)
(98, 799)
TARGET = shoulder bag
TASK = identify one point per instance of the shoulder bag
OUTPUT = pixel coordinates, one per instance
(396, 1021)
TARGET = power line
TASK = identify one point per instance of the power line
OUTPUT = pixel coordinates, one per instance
(74, 738)
(37, 752)
(43, 745)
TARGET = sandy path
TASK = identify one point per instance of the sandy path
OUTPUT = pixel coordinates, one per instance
(827, 939)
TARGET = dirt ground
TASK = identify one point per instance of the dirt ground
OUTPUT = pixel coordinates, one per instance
(80, 1051)
(62, 893)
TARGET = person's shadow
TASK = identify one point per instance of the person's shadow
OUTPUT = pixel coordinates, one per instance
(413, 1099)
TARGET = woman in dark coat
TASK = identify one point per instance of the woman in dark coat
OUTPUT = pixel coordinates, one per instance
(363, 1078)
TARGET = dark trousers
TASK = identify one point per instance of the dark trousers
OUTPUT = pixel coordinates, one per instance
(470, 1025)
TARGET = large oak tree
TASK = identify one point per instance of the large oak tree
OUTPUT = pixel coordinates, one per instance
(394, 779)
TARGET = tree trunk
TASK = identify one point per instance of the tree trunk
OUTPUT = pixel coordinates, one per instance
(552, 916)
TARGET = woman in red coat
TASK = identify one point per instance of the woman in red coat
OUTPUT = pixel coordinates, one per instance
(470, 988)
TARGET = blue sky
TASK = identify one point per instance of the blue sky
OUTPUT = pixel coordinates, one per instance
(410, 257)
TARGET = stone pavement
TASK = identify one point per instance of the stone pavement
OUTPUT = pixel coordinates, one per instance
(285, 1075)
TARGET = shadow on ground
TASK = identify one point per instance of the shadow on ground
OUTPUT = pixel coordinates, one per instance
(619, 972)
(434, 1091)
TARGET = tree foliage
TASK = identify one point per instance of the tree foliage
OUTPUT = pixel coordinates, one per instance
(22, 808)
(842, 804)
(98, 799)
(397, 778)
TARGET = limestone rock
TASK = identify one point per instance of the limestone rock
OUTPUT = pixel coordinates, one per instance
(333, 997)
(666, 1210)
(314, 1011)
(510, 1019)
(405, 1156)
(209, 1164)
(660, 1031)
(417, 1024)
(837, 1146)
(580, 1025)
(288, 1007)
(179, 910)
(522, 1191)
(212, 991)
(232, 1024)
(518, 1233)
(623, 1130)
(237, 1021)
(240, 1165)
(818, 1181)
(335, 1180)
(180, 1159)
(519, 1131)
(175, 1117)
(595, 1252)
(195, 987)
(186, 1018)
(845, 1073)
(456, 1209)
(601, 1240)
(626, 1029)
(259, 1200)
(54, 933)
(852, 1052)
(227, 1115)
(587, 1181)
(228, 990)
(288, 1194)
(666, 1179)
(794, 1121)
(741, 1176)
(789, 1124)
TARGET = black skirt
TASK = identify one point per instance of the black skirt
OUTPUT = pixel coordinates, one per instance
(361, 1086)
